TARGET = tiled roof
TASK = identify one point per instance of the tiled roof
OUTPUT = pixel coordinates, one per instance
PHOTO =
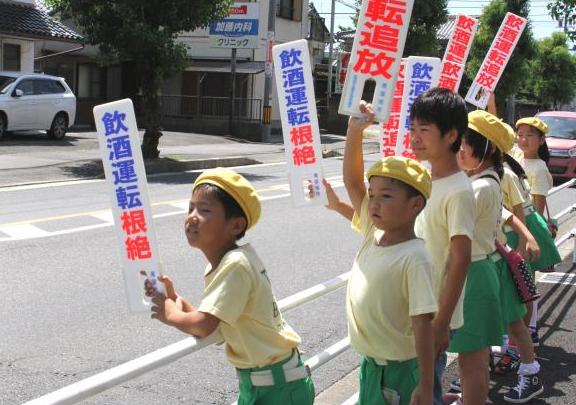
(27, 21)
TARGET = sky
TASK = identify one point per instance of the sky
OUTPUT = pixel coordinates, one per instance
(542, 23)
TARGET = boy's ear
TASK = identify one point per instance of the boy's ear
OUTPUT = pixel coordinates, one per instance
(452, 135)
(239, 225)
(418, 203)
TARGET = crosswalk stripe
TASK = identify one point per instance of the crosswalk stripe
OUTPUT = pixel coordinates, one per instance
(23, 231)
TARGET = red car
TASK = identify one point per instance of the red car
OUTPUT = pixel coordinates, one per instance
(561, 140)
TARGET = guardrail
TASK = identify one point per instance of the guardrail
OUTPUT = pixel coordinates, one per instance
(107, 379)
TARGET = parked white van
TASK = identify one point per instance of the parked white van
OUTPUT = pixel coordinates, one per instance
(32, 101)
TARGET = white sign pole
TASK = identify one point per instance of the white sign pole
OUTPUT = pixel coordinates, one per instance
(126, 181)
(297, 104)
(378, 47)
(496, 59)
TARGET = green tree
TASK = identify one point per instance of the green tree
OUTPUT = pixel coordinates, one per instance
(564, 11)
(427, 17)
(144, 32)
(553, 72)
(517, 68)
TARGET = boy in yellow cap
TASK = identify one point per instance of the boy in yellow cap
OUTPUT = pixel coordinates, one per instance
(390, 301)
(438, 120)
(238, 298)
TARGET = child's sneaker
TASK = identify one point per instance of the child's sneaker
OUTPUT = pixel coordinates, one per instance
(528, 387)
(455, 385)
(508, 363)
(535, 337)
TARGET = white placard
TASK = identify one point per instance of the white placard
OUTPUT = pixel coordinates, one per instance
(126, 181)
(297, 104)
(454, 61)
(378, 46)
(420, 74)
(495, 60)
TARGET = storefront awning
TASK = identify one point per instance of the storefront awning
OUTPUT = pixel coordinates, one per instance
(221, 66)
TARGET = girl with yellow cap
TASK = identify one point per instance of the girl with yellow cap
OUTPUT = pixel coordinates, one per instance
(532, 142)
(481, 156)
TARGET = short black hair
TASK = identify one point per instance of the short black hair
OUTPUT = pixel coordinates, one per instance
(483, 148)
(444, 108)
(231, 207)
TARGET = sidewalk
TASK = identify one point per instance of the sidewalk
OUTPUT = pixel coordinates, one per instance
(32, 158)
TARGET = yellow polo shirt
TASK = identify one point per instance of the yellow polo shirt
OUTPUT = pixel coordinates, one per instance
(387, 286)
(511, 189)
(539, 176)
(238, 292)
(488, 196)
(449, 212)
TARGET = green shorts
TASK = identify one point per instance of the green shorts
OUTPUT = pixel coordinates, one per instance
(401, 377)
(549, 255)
(299, 392)
(483, 325)
(512, 307)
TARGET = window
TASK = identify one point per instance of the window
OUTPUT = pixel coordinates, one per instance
(48, 87)
(91, 81)
(27, 87)
(285, 9)
(11, 57)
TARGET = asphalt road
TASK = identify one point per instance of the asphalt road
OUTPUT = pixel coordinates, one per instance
(64, 313)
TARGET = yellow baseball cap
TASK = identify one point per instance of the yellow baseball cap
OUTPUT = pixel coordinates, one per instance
(406, 170)
(237, 187)
(492, 128)
(533, 122)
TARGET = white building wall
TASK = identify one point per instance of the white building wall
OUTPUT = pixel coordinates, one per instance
(26, 52)
(286, 30)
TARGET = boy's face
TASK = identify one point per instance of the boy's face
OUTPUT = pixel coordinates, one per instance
(389, 205)
(427, 141)
(206, 225)
(529, 139)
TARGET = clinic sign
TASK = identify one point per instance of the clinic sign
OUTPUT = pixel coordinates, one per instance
(376, 54)
(238, 30)
(297, 105)
(126, 182)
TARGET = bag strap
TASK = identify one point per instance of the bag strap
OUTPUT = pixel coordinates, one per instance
(490, 176)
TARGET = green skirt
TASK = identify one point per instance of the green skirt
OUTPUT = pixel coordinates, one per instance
(379, 385)
(549, 255)
(512, 307)
(483, 323)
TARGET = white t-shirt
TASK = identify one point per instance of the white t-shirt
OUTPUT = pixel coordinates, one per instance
(539, 176)
(449, 212)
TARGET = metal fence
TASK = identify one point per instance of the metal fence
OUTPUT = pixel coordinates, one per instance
(179, 106)
(105, 380)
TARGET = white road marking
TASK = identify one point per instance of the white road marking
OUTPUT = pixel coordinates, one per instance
(23, 231)
(105, 216)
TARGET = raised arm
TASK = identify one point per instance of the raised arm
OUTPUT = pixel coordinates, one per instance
(353, 158)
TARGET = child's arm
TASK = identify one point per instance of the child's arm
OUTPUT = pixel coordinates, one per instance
(458, 262)
(539, 202)
(531, 248)
(422, 326)
(353, 159)
(174, 310)
(335, 204)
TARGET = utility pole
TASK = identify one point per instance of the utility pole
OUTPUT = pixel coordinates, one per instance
(267, 109)
(331, 47)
